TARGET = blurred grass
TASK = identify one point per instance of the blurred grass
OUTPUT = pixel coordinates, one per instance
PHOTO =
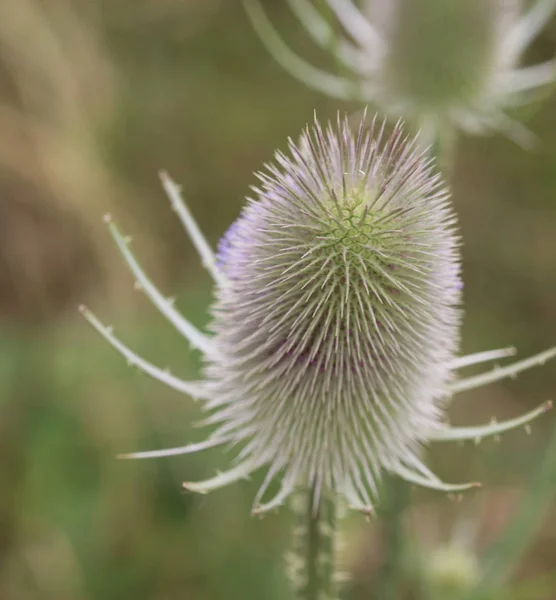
(132, 87)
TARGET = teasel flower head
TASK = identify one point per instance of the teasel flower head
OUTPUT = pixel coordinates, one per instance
(335, 321)
(438, 64)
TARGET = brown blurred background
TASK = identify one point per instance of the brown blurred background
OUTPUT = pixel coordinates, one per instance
(95, 97)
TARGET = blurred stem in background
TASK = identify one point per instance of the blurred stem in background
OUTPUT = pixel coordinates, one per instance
(444, 149)
(506, 552)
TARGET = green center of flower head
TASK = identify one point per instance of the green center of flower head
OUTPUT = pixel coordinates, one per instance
(341, 291)
(363, 250)
(355, 226)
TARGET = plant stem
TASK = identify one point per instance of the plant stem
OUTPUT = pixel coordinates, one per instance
(312, 557)
(444, 150)
(395, 500)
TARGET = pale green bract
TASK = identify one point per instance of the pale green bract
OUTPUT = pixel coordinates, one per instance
(335, 321)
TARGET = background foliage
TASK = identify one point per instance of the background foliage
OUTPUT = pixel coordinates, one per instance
(95, 97)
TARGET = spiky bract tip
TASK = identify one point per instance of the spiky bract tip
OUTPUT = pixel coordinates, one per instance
(339, 317)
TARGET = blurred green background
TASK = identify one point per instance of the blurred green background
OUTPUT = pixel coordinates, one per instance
(95, 97)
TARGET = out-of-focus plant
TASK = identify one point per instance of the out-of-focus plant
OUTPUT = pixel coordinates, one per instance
(57, 94)
(336, 328)
(461, 570)
(443, 65)
(464, 550)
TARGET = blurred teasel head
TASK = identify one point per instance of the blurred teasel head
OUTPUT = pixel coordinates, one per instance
(440, 64)
(335, 321)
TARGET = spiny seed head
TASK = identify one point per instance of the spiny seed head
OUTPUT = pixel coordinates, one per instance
(442, 56)
(340, 311)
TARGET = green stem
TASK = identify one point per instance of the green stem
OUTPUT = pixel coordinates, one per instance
(395, 500)
(312, 557)
(444, 149)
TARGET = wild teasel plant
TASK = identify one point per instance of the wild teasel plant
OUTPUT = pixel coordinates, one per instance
(335, 330)
(443, 66)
